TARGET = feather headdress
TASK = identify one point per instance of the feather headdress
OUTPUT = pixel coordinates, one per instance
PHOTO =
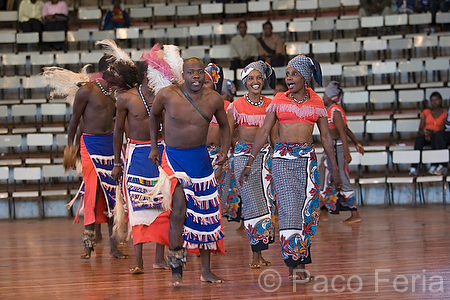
(173, 58)
(110, 47)
(159, 72)
(64, 82)
(122, 73)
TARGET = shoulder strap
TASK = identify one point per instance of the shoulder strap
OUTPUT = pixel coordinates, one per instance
(265, 47)
(143, 99)
(194, 105)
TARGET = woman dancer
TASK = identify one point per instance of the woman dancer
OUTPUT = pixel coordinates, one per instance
(332, 200)
(246, 114)
(294, 164)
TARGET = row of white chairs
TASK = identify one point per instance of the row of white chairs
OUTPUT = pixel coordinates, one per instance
(36, 184)
(154, 10)
(21, 150)
(390, 168)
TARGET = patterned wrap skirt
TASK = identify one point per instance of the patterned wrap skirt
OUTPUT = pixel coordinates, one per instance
(296, 182)
(203, 223)
(336, 201)
(257, 196)
(148, 221)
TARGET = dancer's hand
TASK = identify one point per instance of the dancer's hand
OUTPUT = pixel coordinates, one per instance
(154, 156)
(116, 173)
(221, 158)
(244, 175)
(347, 157)
(360, 148)
(336, 180)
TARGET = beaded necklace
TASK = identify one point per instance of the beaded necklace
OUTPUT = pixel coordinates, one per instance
(259, 103)
(103, 90)
(143, 99)
(301, 101)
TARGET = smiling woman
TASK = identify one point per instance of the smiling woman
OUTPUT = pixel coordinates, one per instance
(247, 114)
(294, 165)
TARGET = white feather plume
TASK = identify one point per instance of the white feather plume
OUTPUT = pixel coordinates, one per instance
(173, 58)
(112, 49)
(156, 80)
(64, 82)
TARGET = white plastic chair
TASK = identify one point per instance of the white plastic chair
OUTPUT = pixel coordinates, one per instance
(358, 72)
(379, 128)
(405, 158)
(410, 68)
(432, 157)
(382, 97)
(219, 52)
(11, 83)
(378, 160)
(360, 98)
(410, 96)
(295, 48)
(30, 175)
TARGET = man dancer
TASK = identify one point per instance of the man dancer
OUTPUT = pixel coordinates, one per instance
(195, 220)
(140, 174)
(94, 103)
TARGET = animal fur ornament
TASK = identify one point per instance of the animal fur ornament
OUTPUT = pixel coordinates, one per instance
(64, 82)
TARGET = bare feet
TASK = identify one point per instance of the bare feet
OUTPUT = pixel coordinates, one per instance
(160, 266)
(351, 221)
(254, 266)
(264, 262)
(87, 253)
(324, 215)
(212, 278)
(300, 274)
(136, 270)
(176, 280)
(301, 279)
(354, 218)
(118, 254)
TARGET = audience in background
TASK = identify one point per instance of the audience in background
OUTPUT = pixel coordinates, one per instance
(421, 6)
(271, 47)
(30, 15)
(368, 8)
(56, 18)
(431, 121)
(56, 15)
(244, 47)
(442, 140)
(116, 17)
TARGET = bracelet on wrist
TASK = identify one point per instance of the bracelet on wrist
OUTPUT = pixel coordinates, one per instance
(117, 164)
(254, 157)
(246, 166)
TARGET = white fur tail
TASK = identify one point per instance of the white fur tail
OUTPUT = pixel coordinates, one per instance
(120, 228)
(163, 187)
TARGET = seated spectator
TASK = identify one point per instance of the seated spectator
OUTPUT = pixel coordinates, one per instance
(421, 6)
(271, 47)
(116, 17)
(56, 15)
(407, 7)
(441, 141)
(30, 15)
(280, 88)
(368, 8)
(244, 47)
(432, 120)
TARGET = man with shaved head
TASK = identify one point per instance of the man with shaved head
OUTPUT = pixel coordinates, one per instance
(195, 218)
